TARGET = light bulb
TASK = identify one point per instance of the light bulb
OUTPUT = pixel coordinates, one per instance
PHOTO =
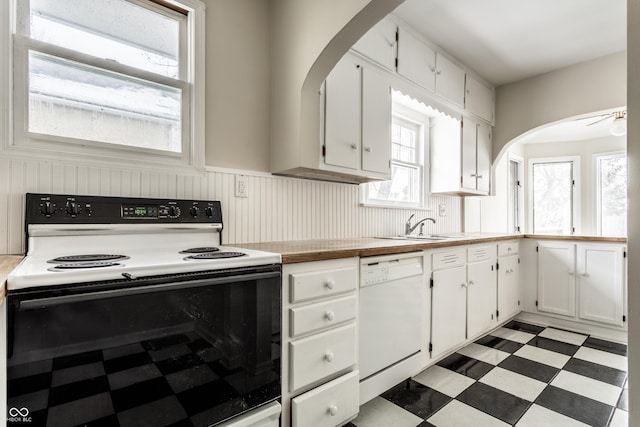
(619, 125)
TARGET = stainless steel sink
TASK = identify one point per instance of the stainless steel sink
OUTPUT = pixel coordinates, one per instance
(425, 238)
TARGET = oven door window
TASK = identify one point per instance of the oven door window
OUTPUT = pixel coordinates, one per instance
(184, 353)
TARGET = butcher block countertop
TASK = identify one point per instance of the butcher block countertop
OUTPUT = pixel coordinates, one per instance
(7, 264)
(317, 250)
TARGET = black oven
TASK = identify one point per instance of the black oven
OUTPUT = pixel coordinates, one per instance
(182, 349)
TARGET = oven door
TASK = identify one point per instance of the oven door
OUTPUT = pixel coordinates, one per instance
(189, 349)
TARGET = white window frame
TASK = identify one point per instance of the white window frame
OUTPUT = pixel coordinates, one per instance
(518, 201)
(14, 96)
(597, 208)
(422, 122)
(576, 207)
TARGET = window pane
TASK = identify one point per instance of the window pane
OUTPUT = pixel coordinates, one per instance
(68, 99)
(111, 29)
(613, 196)
(553, 198)
(404, 185)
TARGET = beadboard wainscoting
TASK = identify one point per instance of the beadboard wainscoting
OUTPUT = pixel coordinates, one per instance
(276, 209)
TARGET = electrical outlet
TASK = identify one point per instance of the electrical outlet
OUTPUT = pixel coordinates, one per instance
(242, 187)
(442, 210)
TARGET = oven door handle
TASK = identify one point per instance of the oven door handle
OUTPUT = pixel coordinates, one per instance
(40, 303)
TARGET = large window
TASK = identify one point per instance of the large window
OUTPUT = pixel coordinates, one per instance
(611, 194)
(407, 158)
(107, 76)
(554, 195)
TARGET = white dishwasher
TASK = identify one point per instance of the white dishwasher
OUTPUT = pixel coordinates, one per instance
(392, 289)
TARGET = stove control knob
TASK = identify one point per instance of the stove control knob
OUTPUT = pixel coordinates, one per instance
(194, 211)
(174, 211)
(47, 208)
(208, 211)
(72, 208)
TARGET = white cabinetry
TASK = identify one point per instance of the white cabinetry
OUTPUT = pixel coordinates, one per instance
(481, 289)
(461, 162)
(601, 280)
(319, 358)
(556, 278)
(379, 44)
(584, 281)
(424, 66)
(463, 296)
(357, 130)
(479, 99)
(508, 280)
(448, 300)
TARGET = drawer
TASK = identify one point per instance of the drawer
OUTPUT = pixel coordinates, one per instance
(449, 259)
(329, 405)
(322, 283)
(321, 315)
(508, 248)
(481, 253)
(318, 356)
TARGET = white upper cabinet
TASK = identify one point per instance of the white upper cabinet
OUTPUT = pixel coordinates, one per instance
(479, 99)
(449, 80)
(461, 164)
(357, 139)
(430, 69)
(379, 44)
(416, 60)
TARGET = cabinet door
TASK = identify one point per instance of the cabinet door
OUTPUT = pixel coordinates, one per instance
(478, 99)
(481, 297)
(483, 158)
(342, 114)
(416, 60)
(376, 121)
(469, 153)
(508, 286)
(556, 278)
(601, 283)
(448, 309)
(379, 44)
(449, 80)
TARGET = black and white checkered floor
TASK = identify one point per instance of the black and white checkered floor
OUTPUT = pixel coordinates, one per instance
(519, 375)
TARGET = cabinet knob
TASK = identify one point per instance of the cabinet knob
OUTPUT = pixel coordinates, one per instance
(479, 176)
(333, 410)
(585, 274)
(328, 356)
(470, 282)
(464, 285)
(439, 72)
(330, 284)
(571, 273)
(432, 69)
(329, 315)
(367, 149)
(353, 147)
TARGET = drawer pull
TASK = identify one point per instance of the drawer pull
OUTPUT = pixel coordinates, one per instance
(330, 284)
(328, 356)
(333, 410)
(329, 315)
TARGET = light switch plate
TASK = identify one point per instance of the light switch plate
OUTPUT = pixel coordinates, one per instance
(242, 186)
(442, 210)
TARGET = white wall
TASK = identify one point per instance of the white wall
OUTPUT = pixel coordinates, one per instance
(590, 86)
(277, 208)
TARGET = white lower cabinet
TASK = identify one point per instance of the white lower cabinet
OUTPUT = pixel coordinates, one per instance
(448, 309)
(601, 279)
(329, 405)
(481, 294)
(508, 280)
(319, 341)
(582, 281)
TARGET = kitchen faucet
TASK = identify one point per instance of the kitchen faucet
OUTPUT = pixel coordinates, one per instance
(408, 228)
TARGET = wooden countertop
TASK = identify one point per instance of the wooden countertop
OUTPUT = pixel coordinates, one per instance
(317, 250)
(578, 238)
(7, 264)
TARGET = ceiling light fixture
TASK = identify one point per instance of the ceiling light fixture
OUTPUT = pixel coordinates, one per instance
(619, 125)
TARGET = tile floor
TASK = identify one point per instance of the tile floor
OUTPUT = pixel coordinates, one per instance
(520, 375)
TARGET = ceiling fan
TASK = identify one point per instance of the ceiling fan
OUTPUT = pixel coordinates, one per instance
(618, 126)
